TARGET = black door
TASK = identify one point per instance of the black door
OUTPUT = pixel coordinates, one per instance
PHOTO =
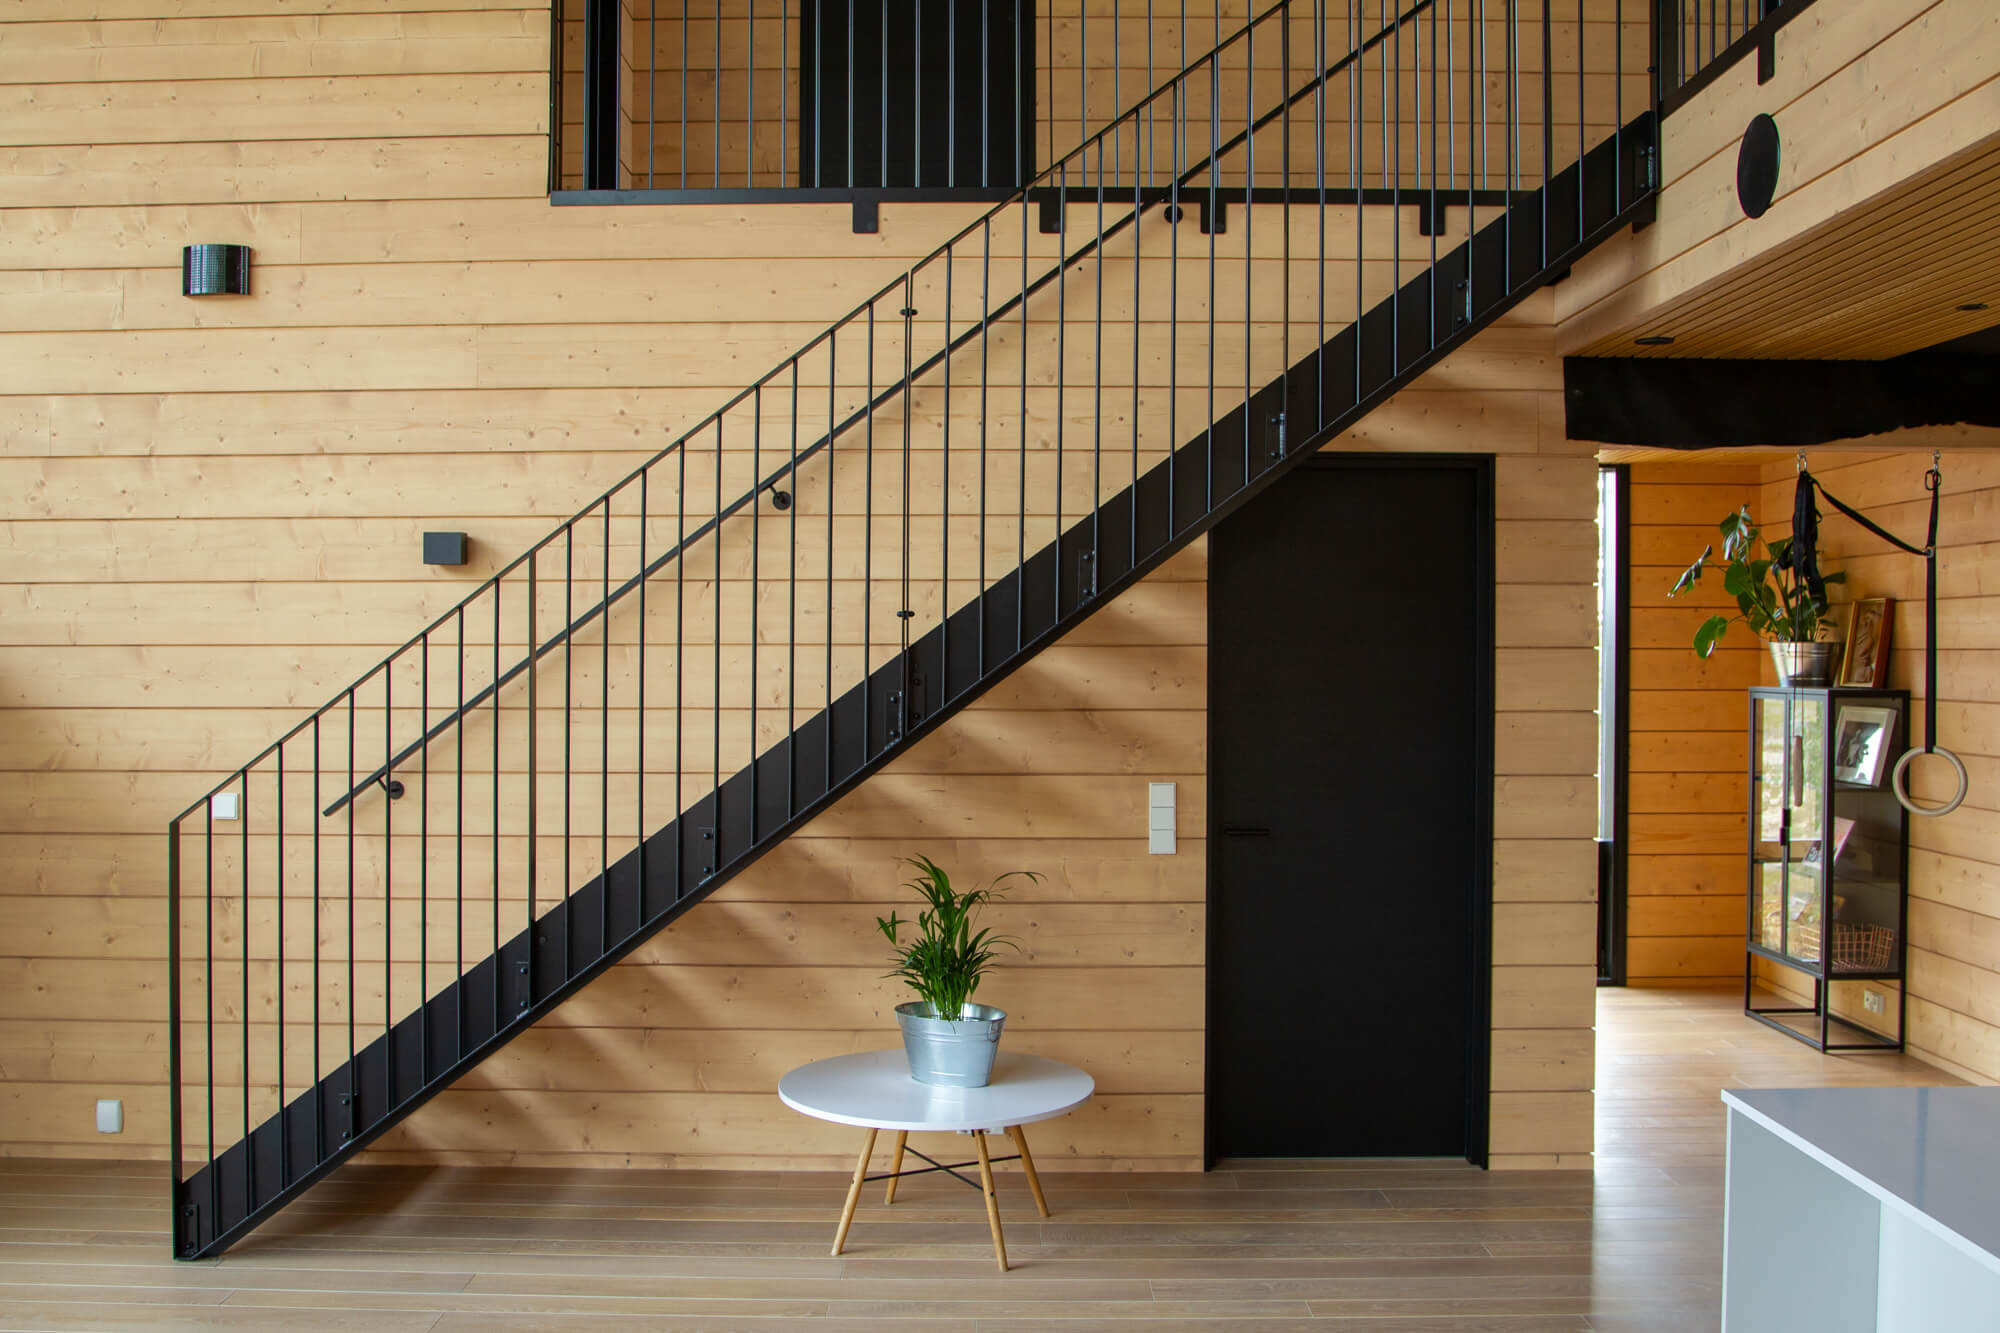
(1350, 799)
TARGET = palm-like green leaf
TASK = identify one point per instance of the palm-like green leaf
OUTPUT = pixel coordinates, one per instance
(947, 958)
(1774, 602)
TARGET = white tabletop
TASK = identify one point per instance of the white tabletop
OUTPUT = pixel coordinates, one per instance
(875, 1091)
(1931, 1153)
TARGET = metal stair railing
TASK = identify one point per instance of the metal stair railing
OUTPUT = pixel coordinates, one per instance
(867, 537)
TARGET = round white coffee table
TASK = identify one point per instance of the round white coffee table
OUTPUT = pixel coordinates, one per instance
(874, 1091)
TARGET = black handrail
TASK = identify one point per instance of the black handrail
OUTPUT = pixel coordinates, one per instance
(1155, 195)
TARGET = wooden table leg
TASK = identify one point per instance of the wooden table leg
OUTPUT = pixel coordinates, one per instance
(895, 1165)
(1020, 1138)
(992, 1200)
(854, 1192)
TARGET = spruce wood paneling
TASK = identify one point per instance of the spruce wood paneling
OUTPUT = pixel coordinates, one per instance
(1689, 759)
(212, 522)
(1883, 221)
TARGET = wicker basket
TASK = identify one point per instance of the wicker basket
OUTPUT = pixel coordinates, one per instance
(1863, 948)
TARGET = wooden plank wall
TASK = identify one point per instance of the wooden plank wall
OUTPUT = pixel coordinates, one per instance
(1926, 74)
(1689, 758)
(1954, 944)
(212, 525)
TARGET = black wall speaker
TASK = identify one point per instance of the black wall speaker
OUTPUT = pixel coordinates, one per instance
(1757, 167)
(215, 270)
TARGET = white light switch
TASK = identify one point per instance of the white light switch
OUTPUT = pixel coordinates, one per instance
(110, 1117)
(226, 805)
(1160, 827)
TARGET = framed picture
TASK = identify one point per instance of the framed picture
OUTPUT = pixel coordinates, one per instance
(1861, 736)
(1866, 665)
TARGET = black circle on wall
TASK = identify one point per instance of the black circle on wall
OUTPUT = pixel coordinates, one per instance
(1757, 167)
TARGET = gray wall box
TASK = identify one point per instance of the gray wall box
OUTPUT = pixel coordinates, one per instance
(444, 548)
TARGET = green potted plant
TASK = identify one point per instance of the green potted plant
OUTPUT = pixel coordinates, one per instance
(949, 1040)
(1779, 596)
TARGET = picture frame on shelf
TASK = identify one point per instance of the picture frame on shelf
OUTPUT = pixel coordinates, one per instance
(1861, 736)
(1865, 664)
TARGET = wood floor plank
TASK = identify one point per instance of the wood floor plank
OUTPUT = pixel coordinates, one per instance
(1413, 1246)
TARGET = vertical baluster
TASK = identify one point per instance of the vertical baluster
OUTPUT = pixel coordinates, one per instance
(784, 92)
(1249, 222)
(1285, 220)
(1214, 224)
(868, 547)
(832, 428)
(1021, 480)
(853, 166)
(792, 616)
(388, 891)
(1581, 144)
(604, 744)
(756, 550)
(423, 867)
(499, 1019)
(1097, 368)
(951, 99)
(1355, 176)
(1138, 289)
(1548, 122)
(318, 1068)
(353, 1082)
(568, 756)
(284, 1120)
(1618, 107)
(917, 94)
(687, 67)
(1513, 135)
(176, 1098)
(883, 49)
(208, 990)
(1062, 367)
(715, 100)
(1319, 182)
(1176, 140)
(944, 501)
(898, 727)
(243, 867)
(986, 96)
(985, 341)
(653, 83)
(461, 989)
(750, 99)
(715, 660)
(1431, 196)
(534, 784)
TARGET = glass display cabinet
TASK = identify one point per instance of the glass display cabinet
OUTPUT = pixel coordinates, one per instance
(1829, 866)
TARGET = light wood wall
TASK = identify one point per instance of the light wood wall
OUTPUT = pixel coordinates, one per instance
(1689, 757)
(1867, 97)
(214, 526)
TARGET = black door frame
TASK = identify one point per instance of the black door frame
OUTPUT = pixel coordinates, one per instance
(1479, 1039)
(1614, 854)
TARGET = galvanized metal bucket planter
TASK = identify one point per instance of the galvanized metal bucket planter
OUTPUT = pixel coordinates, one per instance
(1805, 663)
(951, 1053)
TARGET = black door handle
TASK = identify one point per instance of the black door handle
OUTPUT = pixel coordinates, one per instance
(1245, 831)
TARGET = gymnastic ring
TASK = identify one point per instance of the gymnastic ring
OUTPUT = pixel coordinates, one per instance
(1897, 783)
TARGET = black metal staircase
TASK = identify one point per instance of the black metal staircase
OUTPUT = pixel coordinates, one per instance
(520, 721)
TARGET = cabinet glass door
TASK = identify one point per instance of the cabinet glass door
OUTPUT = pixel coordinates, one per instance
(1804, 872)
(1770, 742)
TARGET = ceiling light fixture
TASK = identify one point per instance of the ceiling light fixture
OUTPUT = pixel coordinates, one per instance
(1655, 340)
(1970, 306)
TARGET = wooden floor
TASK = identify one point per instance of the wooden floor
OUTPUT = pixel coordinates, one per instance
(1402, 1246)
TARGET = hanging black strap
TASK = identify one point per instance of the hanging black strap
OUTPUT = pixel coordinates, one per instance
(1934, 483)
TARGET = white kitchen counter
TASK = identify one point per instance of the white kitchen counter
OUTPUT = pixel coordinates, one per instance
(1863, 1209)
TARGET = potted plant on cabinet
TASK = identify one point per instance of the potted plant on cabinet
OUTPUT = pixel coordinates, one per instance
(1780, 597)
(949, 1040)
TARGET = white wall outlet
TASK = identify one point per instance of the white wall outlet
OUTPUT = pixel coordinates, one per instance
(226, 805)
(1160, 822)
(1874, 1001)
(110, 1116)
